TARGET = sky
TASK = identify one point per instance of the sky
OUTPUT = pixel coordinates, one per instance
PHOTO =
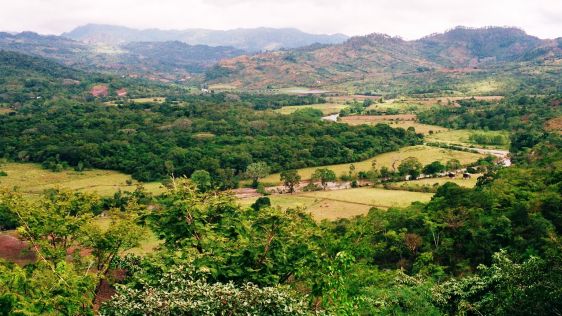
(409, 19)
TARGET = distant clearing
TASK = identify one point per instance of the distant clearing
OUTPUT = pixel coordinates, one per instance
(326, 108)
(5, 111)
(461, 137)
(425, 154)
(467, 183)
(301, 90)
(554, 125)
(401, 120)
(32, 179)
(142, 100)
(347, 203)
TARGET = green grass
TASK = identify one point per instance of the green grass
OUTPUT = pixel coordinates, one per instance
(461, 137)
(344, 203)
(326, 108)
(419, 127)
(467, 183)
(425, 154)
(32, 179)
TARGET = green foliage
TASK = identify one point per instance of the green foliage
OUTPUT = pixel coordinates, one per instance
(324, 175)
(180, 292)
(434, 168)
(202, 179)
(410, 166)
(290, 178)
(506, 288)
(256, 171)
(185, 134)
(45, 290)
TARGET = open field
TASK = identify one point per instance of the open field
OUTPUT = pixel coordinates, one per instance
(425, 154)
(5, 111)
(347, 203)
(401, 120)
(462, 137)
(554, 125)
(32, 179)
(326, 108)
(141, 100)
(467, 183)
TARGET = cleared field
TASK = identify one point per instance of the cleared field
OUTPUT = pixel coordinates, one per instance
(326, 108)
(554, 125)
(395, 122)
(425, 154)
(5, 111)
(141, 100)
(467, 183)
(32, 179)
(462, 137)
(301, 90)
(222, 87)
(344, 203)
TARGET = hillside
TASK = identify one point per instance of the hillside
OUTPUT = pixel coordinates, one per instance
(445, 60)
(166, 61)
(255, 39)
(24, 77)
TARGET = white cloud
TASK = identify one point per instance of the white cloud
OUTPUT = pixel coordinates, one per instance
(406, 18)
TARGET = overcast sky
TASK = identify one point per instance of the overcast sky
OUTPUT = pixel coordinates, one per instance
(407, 18)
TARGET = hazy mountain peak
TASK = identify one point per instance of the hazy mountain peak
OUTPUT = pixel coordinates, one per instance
(250, 39)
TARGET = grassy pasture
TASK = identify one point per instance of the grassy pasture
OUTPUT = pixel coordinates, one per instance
(425, 154)
(5, 110)
(32, 179)
(462, 137)
(397, 121)
(347, 203)
(326, 108)
(467, 183)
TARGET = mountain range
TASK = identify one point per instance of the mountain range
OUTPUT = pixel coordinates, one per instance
(466, 60)
(252, 39)
(379, 59)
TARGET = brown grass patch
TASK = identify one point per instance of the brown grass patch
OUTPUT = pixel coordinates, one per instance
(554, 125)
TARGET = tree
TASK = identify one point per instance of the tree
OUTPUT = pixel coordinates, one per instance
(182, 292)
(290, 178)
(433, 168)
(256, 171)
(453, 164)
(410, 166)
(324, 175)
(202, 179)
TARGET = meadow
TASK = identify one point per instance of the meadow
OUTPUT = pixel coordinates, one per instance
(461, 137)
(326, 108)
(32, 179)
(425, 154)
(346, 203)
(399, 120)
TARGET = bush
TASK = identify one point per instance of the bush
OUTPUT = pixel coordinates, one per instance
(3, 173)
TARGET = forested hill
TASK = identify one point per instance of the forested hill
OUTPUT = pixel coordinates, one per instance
(24, 78)
(377, 59)
(155, 60)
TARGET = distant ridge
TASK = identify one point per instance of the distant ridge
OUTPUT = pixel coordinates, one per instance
(379, 59)
(249, 39)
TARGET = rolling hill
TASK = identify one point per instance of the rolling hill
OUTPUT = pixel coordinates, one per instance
(378, 62)
(254, 39)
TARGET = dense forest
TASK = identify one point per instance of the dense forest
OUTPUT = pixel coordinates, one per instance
(214, 133)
